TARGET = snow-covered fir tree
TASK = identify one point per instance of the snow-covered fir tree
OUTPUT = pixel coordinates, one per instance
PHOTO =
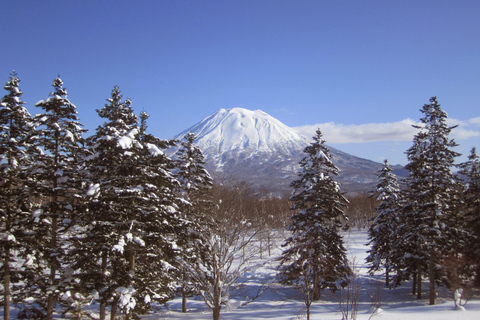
(16, 131)
(195, 181)
(127, 256)
(407, 258)
(315, 256)
(160, 223)
(471, 197)
(431, 220)
(195, 187)
(57, 180)
(381, 232)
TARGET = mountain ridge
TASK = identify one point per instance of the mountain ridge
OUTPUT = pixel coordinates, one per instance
(256, 148)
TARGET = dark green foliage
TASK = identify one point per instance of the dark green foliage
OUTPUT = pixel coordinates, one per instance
(56, 180)
(381, 232)
(196, 189)
(131, 216)
(315, 257)
(471, 196)
(16, 132)
(431, 221)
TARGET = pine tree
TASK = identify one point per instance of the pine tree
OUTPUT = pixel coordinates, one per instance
(315, 257)
(407, 258)
(57, 180)
(471, 196)
(195, 181)
(381, 232)
(127, 255)
(195, 187)
(16, 131)
(431, 216)
(158, 270)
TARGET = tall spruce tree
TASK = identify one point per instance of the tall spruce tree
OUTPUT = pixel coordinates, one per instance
(195, 181)
(431, 216)
(157, 272)
(196, 188)
(127, 255)
(16, 132)
(381, 232)
(471, 196)
(57, 181)
(407, 257)
(315, 257)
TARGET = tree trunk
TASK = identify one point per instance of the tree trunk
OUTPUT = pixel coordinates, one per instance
(53, 266)
(50, 307)
(387, 277)
(6, 285)
(414, 285)
(103, 307)
(113, 313)
(419, 282)
(316, 289)
(216, 313)
(431, 275)
(216, 301)
(269, 244)
(261, 247)
(131, 262)
(54, 230)
(184, 290)
(184, 299)
(103, 301)
(308, 298)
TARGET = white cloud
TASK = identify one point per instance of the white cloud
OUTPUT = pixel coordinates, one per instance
(358, 133)
(461, 133)
(389, 131)
(475, 121)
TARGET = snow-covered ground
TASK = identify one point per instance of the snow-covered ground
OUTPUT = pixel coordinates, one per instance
(282, 303)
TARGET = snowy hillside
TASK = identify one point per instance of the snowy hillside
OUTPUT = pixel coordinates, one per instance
(246, 131)
(254, 147)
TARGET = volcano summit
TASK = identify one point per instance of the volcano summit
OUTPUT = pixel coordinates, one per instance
(253, 147)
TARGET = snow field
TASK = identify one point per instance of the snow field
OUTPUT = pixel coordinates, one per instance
(284, 303)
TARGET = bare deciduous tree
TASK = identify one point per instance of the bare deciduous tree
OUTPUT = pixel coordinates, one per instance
(231, 240)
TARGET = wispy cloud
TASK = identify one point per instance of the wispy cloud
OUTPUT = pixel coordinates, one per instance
(475, 121)
(389, 131)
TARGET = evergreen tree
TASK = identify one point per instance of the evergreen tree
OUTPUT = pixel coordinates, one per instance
(195, 187)
(195, 181)
(471, 196)
(432, 222)
(157, 270)
(315, 257)
(16, 131)
(385, 224)
(127, 253)
(57, 180)
(407, 258)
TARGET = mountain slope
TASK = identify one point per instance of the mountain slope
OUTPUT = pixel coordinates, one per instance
(245, 130)
(253, 147)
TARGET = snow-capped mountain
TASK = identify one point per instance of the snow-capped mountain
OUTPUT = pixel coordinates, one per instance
(253, 147)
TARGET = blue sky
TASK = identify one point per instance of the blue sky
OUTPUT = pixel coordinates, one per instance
(360, 70)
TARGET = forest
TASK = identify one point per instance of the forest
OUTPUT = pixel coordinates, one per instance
(108, 217)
